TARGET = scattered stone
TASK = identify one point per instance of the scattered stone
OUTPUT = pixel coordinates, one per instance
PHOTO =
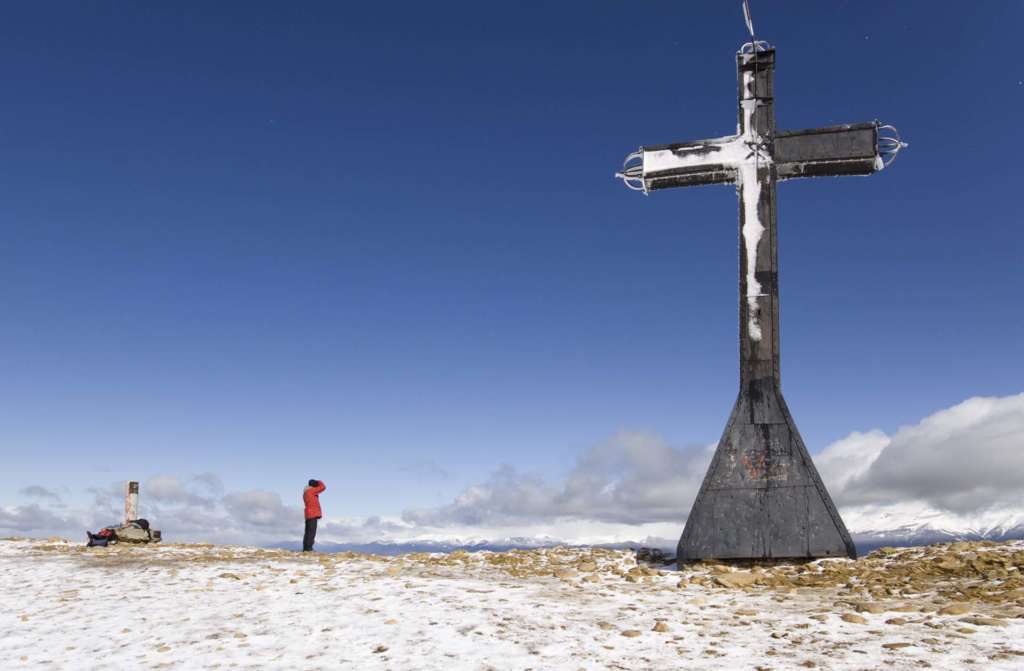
(949, 564)
(379, 649)
(746, 611)
(872, 607)
(605, 625)
(896, 621)
(985, 621)
(586, 567)
(736, 579)
(631, 633)
(653, 555)
(896, 646)
(955, 609)
(852, 618)
(231, 576)
(660, 627)
(906, 608)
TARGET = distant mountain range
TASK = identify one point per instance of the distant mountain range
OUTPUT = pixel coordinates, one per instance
(926, 534)
(871, 528)
(908, 533)
(392, 548)
(906, 525)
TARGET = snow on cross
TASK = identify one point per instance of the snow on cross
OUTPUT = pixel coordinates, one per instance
(762, 497)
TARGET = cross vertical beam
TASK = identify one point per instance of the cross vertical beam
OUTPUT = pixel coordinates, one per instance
(758, 253)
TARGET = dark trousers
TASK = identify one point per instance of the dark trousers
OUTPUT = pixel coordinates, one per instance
(310, 536)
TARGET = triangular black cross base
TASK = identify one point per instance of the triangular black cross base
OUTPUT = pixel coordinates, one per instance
(762, 497)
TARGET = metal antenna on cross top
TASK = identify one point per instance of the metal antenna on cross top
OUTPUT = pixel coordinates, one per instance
(750, 21)
(755, 143)
(754, 44)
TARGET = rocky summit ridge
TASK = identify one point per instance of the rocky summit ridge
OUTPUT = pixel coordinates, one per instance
(951, 605)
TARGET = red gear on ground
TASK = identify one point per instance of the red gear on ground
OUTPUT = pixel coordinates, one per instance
(311, 497)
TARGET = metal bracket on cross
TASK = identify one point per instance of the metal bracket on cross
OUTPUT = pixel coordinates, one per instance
(889, 144)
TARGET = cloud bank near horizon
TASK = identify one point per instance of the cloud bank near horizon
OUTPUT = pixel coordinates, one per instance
(961, 463)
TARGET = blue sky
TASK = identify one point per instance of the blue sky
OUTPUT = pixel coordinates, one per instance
(382, 245)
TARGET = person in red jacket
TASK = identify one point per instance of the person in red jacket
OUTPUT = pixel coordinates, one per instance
(311, 498)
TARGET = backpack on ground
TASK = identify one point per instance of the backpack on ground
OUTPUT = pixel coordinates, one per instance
(133, 532)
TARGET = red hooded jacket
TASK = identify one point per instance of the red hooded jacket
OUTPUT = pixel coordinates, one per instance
(311, 497)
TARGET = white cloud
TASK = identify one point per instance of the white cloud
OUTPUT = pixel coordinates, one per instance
(209, 484)
(33, 518)
(849, 458)
(632, 478)
(262, 509)
(40, 492)
(169, 489)
(959, 466)
(965, 459)
(425, 469)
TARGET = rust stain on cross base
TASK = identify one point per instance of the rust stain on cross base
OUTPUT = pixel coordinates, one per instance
(754, 463)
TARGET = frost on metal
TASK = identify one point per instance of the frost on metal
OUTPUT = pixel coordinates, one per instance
(756, 155)
(751, 233)
(762, 496)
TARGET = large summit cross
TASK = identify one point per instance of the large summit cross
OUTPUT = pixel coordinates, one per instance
(762, 497)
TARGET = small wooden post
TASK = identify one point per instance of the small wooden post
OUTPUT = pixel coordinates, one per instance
(131, 501)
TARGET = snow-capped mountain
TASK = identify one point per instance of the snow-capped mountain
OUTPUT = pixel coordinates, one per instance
(914, 524)
(870, 526)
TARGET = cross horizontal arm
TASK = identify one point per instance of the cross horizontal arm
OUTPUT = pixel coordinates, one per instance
(850, 149)
(684, 164)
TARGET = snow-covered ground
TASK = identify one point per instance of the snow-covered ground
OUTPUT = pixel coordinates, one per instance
(200, 606)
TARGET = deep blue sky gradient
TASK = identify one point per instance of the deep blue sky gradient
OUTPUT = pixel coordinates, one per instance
(350, 240)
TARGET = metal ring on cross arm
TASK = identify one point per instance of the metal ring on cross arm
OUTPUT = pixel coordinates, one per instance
(889, 143)
(750, 47)
(632, 174)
